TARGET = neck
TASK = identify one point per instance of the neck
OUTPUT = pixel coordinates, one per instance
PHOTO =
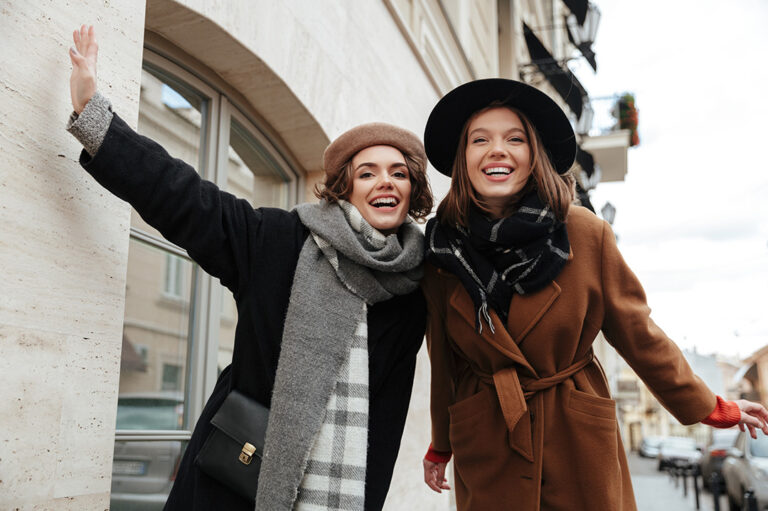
(502, 207)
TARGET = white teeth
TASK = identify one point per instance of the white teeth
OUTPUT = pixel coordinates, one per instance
(498, 170)
(384, 201)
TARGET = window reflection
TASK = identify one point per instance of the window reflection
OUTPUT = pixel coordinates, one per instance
(252, 174)
(158, 301)
(155, 328)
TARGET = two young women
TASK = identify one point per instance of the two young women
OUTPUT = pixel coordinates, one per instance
(518, 283)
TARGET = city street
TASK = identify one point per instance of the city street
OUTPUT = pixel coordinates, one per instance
(656, 491)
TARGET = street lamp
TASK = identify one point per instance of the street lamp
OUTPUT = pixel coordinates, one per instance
(609, 212)
(583, 35)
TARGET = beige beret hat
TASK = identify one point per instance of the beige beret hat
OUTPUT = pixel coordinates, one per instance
(349, 143)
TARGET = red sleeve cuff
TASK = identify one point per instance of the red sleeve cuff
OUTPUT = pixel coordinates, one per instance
(437, 456)
(725, 415)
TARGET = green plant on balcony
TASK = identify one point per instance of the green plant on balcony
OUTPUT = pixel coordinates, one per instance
(627, 116)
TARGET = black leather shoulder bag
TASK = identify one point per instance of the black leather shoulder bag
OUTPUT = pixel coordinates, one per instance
(232, 452)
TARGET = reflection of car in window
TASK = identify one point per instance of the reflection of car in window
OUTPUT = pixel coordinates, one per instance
(152, 411)
(143, 471)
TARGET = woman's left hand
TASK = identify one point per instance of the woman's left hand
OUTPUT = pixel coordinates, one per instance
(754, 416)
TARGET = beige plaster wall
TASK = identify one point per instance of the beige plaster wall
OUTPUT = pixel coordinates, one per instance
(63, 246)
(347, 62)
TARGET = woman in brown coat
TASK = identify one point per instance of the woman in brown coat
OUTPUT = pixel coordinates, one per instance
(518, 283)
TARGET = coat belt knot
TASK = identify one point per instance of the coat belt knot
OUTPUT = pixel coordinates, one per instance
(513, 391)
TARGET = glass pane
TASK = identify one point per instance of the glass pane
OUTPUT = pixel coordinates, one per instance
(143, 473)
(253, 175)
(155, 339)
(171, 114)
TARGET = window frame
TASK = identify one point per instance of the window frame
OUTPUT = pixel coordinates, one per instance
(205, 294)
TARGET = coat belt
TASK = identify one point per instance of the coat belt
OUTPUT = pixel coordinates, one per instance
(513, 392)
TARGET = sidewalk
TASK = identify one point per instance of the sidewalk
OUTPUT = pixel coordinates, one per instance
(656, 491)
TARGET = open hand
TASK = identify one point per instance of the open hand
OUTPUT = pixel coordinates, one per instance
(754, 416)
(82, 83)
(434, 476)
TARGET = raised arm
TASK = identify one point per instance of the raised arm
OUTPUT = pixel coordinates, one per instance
(657, 359)
(213, 226)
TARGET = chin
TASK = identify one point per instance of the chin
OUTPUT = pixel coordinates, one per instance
(387, 226)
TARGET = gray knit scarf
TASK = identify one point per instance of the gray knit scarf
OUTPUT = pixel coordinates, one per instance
(344, 266)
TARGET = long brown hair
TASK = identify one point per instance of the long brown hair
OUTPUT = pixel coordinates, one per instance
(556, 190)
(338, 186)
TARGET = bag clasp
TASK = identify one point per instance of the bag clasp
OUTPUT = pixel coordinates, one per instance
(246, 454)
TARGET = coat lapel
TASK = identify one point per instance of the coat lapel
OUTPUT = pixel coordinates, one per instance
(461, 302)
(527, 310)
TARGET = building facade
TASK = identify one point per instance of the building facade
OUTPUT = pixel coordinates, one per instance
(111, 338)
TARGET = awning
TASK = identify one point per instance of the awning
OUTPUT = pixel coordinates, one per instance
(578, 8)
(563, 81)
(583, 197)
(586, 161)
(746, 372)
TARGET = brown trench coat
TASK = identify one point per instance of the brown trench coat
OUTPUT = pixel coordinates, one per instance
(526, 410)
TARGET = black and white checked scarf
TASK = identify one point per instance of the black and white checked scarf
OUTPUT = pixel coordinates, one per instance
(494, 259)
(317, 437)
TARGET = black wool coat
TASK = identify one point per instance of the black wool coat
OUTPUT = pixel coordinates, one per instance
(254, 253)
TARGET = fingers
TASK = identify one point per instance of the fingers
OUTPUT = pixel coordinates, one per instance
(754, 416)
(434, 476)
(85, 39)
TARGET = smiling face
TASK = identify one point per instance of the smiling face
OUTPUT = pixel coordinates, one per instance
(381, 187)
(498, 158)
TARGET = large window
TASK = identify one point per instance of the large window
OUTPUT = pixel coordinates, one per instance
(179, 322)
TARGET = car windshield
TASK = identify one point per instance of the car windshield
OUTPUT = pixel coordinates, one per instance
(148, 413)
(759, 447)
(679, 443)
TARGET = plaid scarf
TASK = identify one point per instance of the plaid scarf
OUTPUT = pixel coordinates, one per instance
(494, 259)
(316, 446)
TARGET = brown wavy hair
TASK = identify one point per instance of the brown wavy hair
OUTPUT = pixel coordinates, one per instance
(338, 185)
(556, 190)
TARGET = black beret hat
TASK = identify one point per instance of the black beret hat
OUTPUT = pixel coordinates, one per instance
(447, 120)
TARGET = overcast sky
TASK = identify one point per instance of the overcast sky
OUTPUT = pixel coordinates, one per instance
(692, 214)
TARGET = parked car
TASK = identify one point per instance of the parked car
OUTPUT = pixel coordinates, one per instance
(143, 471)
(746, 468)
(649, 447)
(678, 451)
(712, 459)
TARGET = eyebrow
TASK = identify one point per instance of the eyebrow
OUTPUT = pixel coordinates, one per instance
(371, 164)
(521, 130)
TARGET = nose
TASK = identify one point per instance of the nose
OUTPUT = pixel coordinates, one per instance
(498, 148)
(385, 180)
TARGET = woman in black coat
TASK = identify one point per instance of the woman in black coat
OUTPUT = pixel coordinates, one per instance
(330, 314)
